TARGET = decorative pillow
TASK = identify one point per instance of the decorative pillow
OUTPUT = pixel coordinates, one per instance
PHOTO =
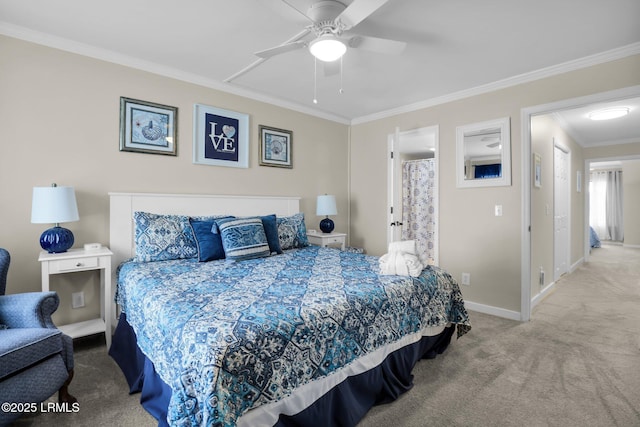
(163, 237)
(292, 232)
(209, 244)
(243, 238)
(270, 225)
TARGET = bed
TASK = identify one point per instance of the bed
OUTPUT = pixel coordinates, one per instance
(306, 336)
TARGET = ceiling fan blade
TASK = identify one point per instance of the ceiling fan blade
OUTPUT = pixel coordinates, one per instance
(246, 69)
(283, 48)
(292, 44)
(358, 11)
(378, 45)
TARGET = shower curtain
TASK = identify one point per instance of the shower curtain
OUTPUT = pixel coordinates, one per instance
(419, 206)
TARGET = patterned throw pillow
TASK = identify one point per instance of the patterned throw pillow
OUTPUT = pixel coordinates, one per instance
(292, 232)
(243, 238)
(163, 237)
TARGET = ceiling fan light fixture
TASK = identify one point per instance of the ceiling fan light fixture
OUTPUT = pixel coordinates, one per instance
(327, 48)
(609, 113)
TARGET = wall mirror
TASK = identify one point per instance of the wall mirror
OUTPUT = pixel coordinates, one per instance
(483, 154)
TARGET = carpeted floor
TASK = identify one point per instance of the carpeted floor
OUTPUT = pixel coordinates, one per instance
(577, 363)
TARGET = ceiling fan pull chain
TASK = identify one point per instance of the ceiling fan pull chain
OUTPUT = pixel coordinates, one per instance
(315, 80)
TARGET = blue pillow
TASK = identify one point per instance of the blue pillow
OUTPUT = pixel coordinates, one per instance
(243, 238)
(209, 244)
(163, 237)
(270, 225)
(292, 231)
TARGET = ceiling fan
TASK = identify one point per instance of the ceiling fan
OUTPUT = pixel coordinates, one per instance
(331, 22)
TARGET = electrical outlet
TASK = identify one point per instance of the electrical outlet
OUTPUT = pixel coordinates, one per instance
(77, 299)
(466, 279)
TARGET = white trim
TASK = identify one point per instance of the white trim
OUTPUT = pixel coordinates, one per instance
(588, 61)
(61, 43)
(631, 246)
(575, 265)
(543, 294)
(152, 67)
(525, 119)
(494, 311)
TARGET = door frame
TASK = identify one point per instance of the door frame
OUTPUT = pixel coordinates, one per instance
(525, 120)
(391, 147)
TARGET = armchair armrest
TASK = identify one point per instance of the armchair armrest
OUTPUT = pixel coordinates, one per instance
(28, 310)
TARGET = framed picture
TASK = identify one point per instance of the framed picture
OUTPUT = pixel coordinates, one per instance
(537, 170)
(146, 127)
(220, 137)
(275, 147)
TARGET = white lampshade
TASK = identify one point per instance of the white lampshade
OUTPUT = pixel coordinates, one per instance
(327, 48)
(54, 205)
(326, 205)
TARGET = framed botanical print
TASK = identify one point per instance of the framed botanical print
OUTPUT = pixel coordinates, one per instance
(220, 137)
(275, 147)
(537, 170)
(147, 127)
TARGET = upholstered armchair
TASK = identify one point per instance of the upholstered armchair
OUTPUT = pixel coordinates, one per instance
(36, 358)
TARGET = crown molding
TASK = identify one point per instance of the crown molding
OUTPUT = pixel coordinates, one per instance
(588, 61)
(29, 35)
(83, 49)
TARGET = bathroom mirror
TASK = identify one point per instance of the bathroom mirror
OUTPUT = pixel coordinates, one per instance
(483, 154)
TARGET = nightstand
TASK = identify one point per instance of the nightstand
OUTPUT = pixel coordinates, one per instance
(326, 239)
(83, 260)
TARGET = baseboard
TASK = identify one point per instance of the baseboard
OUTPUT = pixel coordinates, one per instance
(631, 246)
(575, 265)
(494, 311)
(542, 294)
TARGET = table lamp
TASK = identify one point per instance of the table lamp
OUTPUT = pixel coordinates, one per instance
(54, 205)
(326, 205)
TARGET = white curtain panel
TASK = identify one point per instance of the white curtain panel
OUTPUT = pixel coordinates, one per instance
(418, 206)
(605, 205)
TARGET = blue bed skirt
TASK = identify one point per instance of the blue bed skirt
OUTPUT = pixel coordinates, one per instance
(345, 405)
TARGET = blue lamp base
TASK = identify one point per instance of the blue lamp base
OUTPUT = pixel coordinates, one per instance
(56, 239)
(326, 225)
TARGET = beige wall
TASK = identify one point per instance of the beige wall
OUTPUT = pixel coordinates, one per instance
(631, 197)
(59, 123)
(472, 239)
(545, 131)
(59, 115)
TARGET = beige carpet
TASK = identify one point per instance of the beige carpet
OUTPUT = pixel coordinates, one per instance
(577, 363)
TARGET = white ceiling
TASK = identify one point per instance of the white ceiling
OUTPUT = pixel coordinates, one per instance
(453, 46)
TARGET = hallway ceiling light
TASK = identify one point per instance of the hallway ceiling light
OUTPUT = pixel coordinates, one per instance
(609, 113)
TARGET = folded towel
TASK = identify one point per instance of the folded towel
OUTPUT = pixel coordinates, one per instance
(405, 246)
(401, 264)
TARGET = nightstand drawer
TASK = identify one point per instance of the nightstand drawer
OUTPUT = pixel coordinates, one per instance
(65, 265)
(331, 240)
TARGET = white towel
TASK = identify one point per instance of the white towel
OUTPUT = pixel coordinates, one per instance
(401, 260)
(406, 246)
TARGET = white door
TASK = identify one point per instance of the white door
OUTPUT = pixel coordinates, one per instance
(561, 197)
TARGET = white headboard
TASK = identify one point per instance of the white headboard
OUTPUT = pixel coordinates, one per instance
(123, 205)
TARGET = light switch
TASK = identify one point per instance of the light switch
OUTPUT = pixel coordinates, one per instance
(498, 210)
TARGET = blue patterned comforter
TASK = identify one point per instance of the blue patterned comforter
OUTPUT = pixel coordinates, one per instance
(230, 336)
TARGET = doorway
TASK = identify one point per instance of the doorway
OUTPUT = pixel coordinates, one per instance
(416, 148)
(528, 279)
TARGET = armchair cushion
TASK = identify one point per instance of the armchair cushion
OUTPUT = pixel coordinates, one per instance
(24, 347)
